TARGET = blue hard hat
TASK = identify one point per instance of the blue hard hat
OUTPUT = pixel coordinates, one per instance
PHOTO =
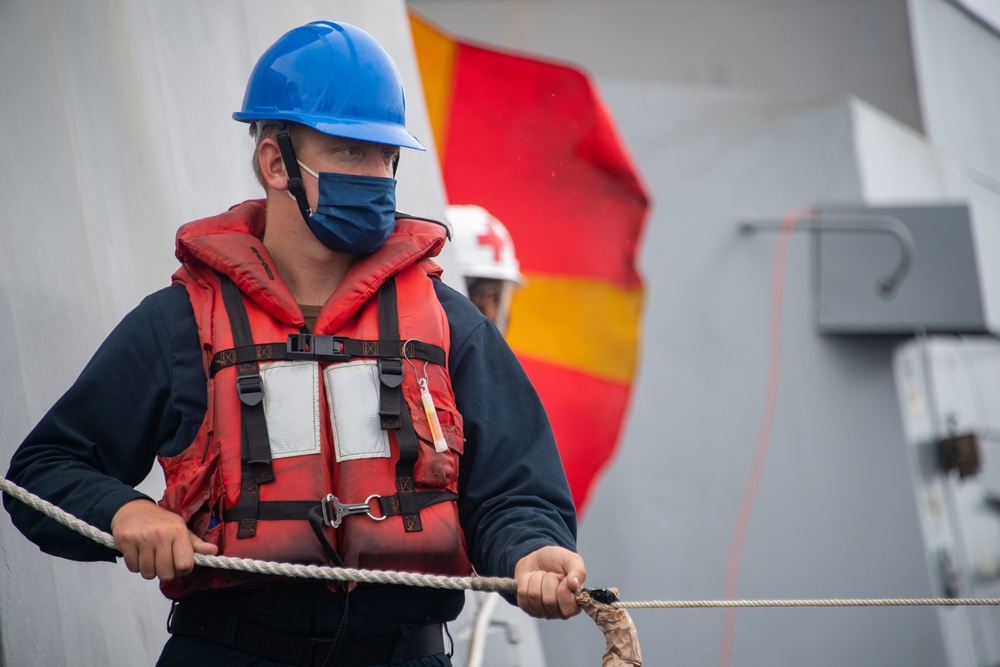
(332, 77)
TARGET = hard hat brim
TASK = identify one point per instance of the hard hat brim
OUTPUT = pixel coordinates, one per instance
(376, 132)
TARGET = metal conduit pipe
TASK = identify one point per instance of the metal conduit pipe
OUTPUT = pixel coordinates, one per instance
(844, 222)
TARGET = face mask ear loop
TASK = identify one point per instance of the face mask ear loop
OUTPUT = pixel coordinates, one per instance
(295, 187)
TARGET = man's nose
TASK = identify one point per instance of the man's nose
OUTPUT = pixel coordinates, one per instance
(374, 165)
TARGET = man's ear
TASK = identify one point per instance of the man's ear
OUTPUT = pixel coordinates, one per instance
(272, 167)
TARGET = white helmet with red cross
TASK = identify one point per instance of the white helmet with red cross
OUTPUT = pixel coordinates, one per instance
(483, 246)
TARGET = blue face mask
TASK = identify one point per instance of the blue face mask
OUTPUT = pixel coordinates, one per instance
(355, 214)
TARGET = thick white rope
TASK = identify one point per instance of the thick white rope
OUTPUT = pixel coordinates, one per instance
(855, 602)
(489, 584)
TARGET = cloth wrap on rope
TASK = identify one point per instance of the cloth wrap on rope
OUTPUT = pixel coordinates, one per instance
(620, 636)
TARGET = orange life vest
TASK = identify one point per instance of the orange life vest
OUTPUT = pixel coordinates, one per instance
(319, 448)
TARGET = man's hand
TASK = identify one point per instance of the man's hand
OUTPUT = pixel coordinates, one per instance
(547, 581)
(156, 542)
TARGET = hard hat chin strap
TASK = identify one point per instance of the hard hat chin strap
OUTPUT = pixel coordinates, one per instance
(295, 187)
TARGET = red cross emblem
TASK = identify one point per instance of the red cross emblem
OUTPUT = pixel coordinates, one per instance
(491, 239)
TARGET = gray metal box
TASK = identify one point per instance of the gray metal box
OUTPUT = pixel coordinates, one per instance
(939, 293)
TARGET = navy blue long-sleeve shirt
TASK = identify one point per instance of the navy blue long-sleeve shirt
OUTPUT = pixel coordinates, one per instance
(144, 394)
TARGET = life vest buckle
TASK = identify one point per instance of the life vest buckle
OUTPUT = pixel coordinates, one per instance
(250, 389)
(390, 372)
(320, 347)
(334, 511)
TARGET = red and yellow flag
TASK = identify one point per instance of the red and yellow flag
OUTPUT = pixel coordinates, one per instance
(533, 143)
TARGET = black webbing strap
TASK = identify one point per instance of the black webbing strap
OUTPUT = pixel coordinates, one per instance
(295, 186)
(274, 510)
(393, 411)
(255, 452)
(315, 517)
(311, 511)
(390, 369)
(315, 347)
(409, 505)
(391, 505)
(298, 510)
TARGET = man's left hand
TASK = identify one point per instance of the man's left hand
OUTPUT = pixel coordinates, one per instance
(547, 581)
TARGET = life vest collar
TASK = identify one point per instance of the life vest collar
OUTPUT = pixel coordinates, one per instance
(231, 245)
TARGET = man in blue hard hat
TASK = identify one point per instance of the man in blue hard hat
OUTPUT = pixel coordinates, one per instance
(315, 395)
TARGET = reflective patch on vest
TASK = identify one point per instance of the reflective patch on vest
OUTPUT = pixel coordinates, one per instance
(352, 392)
(291, 407)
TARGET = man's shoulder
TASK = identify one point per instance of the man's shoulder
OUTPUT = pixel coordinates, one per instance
(457, 307)
(172, 302)
(472, 333)
(167, 309)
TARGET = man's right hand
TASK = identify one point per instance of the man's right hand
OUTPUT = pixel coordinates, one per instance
(156, 542)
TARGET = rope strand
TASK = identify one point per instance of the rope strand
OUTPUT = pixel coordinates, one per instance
(487, 584)
(850, 602)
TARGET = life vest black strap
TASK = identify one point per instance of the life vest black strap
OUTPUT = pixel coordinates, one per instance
(409, 504)
(273, 510)
(298, 510)
(390, 370)
(393, 411)
(327, 348)
(255, 453)
(315, 517)
(393, 505)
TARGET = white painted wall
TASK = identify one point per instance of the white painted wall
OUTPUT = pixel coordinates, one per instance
(958, 72)
(898, 165)
(958, 66)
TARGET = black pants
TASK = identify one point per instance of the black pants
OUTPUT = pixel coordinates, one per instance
(306, 609)
(181, 651)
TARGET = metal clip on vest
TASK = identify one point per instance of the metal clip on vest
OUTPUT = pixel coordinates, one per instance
(334, 511)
